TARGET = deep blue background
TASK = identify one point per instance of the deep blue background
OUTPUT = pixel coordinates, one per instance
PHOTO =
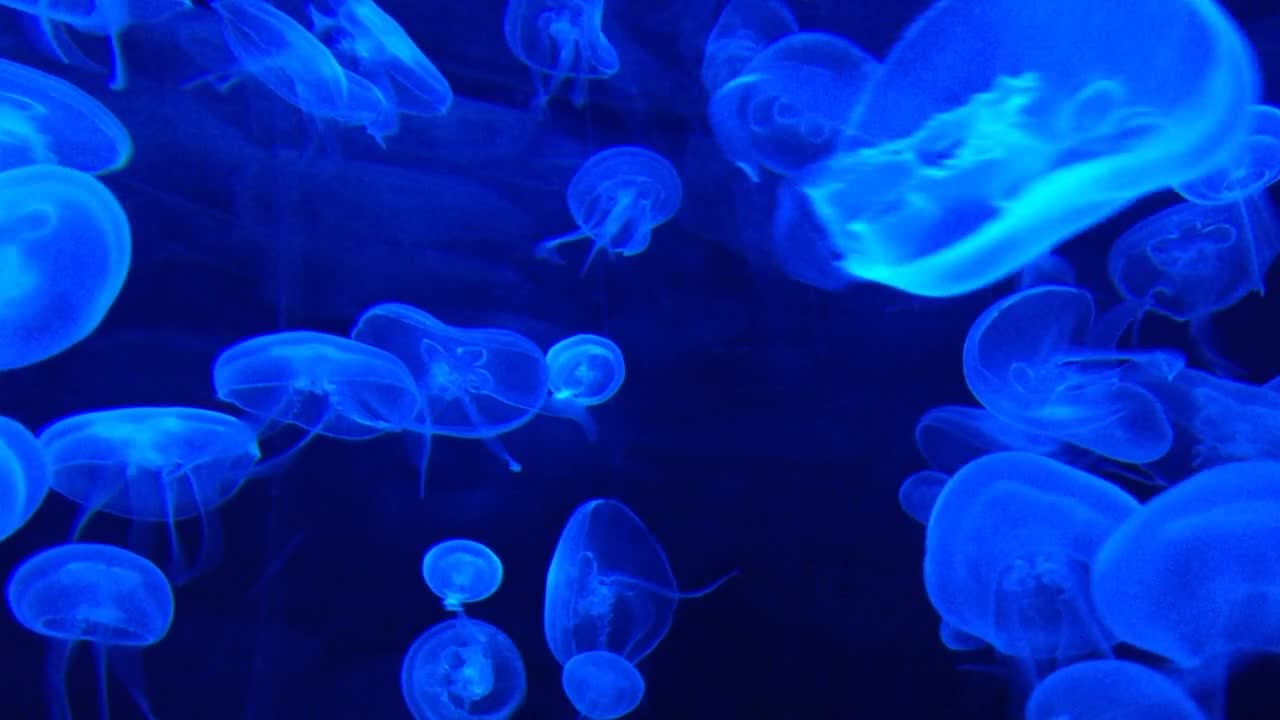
(764, 425)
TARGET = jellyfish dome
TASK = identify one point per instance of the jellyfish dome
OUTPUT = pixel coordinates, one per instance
(560, 40)
(461, 571)
(744, 29)
(463, 669)
(1107, 689)
(588, 369)
(601, 685)
(1254, 166)
(24, 476)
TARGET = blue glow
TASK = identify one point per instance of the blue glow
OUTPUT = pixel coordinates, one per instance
(463, 669)
(461, 571)
(602, 685)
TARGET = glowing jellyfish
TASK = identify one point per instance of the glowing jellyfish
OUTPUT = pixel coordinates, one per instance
(24, 476)
(1027, 360)
(383, 52)
(744, 29)
(1106, 689)
(558, 40)
(1008, 548)
(1224, 419)
(918, 493)
(64, 252)
(461, 571)
(617, 198)
(47, 120)
(1193, 575)
(96, 594)
(584, 370)
(788, 107)
(602, 685)
(951, 436)
(463, 669)
(997, 129)
(1254, 166)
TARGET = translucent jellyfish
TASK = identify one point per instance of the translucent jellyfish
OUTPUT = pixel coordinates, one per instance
(997, 129)
(461, 571)
(560, 39)
(745, 28)
(918, 493)
(1224, 419)
(1007, 553)
(1107, 689)
(47, 120)
(1251, 169)
(1048, 269)
(24, 476)
(473, 382)
(1192, 575)
(364, 34)
(788, 107)
(584, 370)
(1027, 360)
(65, 248)
(463, 669)
(99, 594)
(617, 198)
(951, 436)
(602, 685)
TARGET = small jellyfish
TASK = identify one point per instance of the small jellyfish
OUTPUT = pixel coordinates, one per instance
(1110, 690)
(463, 669)
(1254, 166)
(96, 594)
(919, 492)
(583, 370)
(47, 120)
(617, 198)
(64, 252)
(602, 685)
(744, 29)
(24, 476)
(461, 571)
(559, 39)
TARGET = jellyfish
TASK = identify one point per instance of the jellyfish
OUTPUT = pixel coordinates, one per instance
(473, 383)
(787, 108)
(951, 436)
(602, 685)
(1048, 269)
(1008, 549)
(463, 669)
(918, 493)
(1027, 360)
(584, 370)
(998, 129)
(609, 586)
(88, 593)
(1106, 689)
(24, 476)
(617, 198)
(64, 252)
(461, 571)
(47, 120)
(744, 29)
(560, 39)
(1252, 168)
(364, 34)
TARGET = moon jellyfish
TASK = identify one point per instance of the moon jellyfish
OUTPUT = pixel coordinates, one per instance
(1007, 553)
(1048, 269)
(1027, 360)
(47, 120)
(1224, 419)
(788, 107)
(918, 493)
(463, 669)
(1110, 689)
(951, 436)
(65, 248)
(1253, 167)
(559, 39)
(96, 594)
(617, 198)
(584, 370)
(745, 28)
(997, 129)
(602, 685)
(461, 571)
(24, 476)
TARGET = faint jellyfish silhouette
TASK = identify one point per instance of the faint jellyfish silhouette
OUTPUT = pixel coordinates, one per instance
(973, 152)
(602, 685)
(617, 198)
(918, 493)
(583, 371)
(64, 253)
(1028, 361)
(463, 669)
(559, 39)
(461, 571)
(99, 594)
(788, 107)
(1254, 166)
(951, 436)
(1048, 269)
(24, 476)
(743, 30)
(47, 120)
(1101, 689)
(957, 640)
(1007, 554)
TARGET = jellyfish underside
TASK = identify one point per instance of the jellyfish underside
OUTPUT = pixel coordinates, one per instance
(617, 220)
(1041, 610)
